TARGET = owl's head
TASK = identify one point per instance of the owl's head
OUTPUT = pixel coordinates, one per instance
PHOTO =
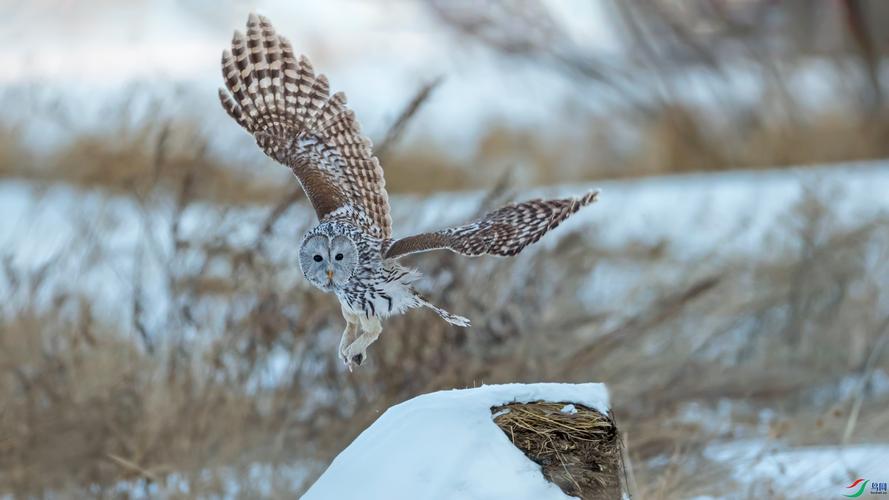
(328, 261)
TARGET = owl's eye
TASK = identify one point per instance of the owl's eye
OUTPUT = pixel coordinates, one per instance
(318, 258)
(338, 256)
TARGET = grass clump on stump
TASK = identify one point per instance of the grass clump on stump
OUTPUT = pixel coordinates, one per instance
(578, 448)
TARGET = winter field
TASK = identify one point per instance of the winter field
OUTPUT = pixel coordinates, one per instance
(730, 287)
(739, 320)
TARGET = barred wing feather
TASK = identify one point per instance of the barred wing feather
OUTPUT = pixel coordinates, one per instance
(295, 121)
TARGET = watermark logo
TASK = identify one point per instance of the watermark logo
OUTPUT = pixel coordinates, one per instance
(859, 487)
(859, 483)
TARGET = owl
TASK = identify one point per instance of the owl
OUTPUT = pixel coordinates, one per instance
(351, 253)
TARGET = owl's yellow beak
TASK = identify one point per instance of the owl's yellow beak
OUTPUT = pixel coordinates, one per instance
(330, 275)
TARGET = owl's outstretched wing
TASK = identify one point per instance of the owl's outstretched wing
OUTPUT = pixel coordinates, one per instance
(296, 122)
(505, 231)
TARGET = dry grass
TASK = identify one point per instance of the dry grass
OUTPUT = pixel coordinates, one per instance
(229, 386)
(161, 150)
(235, 388)
(579, 449)
(86, 410)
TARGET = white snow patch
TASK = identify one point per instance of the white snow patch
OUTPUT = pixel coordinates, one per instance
(568, 409)
(804, 472)
(446, 445)
(695, 217)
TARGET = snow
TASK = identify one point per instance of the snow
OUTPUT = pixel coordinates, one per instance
(109, 52)
(808, 471)
(694, 216)
(738, 212)
(569, 409)
(378, 53)
(446, 445)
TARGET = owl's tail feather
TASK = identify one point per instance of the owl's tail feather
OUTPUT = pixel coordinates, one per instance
(449, 317)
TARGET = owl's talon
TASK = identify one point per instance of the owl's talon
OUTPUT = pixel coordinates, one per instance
(353, 363)
(355, 355)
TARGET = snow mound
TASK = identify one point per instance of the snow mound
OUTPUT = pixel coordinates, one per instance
(446, 445)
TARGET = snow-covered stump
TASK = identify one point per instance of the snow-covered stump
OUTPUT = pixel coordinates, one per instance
(577, 447)
(513, 441)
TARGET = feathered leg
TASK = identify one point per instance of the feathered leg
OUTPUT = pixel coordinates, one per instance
(356, 353)
(349, 334)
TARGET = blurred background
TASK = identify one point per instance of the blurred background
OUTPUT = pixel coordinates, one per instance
(731, 287)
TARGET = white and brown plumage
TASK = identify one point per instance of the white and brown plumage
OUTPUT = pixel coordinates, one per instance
(351, 253)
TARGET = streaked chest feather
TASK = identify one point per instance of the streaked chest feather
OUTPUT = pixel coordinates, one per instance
(380, 292)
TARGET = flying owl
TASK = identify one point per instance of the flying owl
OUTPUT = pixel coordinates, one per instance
(350, 252)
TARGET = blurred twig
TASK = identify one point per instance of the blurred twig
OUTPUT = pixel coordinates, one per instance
(137, 307)
(665, 309)
(868, 371)
(856, 20)
(132, 467)
(496, 193)
(280, 208)
(183, 198)
(407, 114)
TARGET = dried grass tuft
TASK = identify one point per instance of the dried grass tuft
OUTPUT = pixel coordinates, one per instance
(578, 450)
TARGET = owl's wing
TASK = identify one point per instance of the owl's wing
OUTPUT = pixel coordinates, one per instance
(505, 231)
(296, 122)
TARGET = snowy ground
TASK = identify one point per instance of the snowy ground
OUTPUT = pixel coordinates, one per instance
(803, 472)
(446, 445)
(693, 215)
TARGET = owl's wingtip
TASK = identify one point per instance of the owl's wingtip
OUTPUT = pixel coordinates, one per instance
(592, 196)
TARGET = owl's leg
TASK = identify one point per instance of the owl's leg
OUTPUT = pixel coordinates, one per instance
(349, 334)
(356, 353)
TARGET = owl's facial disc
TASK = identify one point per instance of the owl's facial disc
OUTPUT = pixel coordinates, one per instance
(327, 262)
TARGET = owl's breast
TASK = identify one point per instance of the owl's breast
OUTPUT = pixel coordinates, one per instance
(379, 291)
